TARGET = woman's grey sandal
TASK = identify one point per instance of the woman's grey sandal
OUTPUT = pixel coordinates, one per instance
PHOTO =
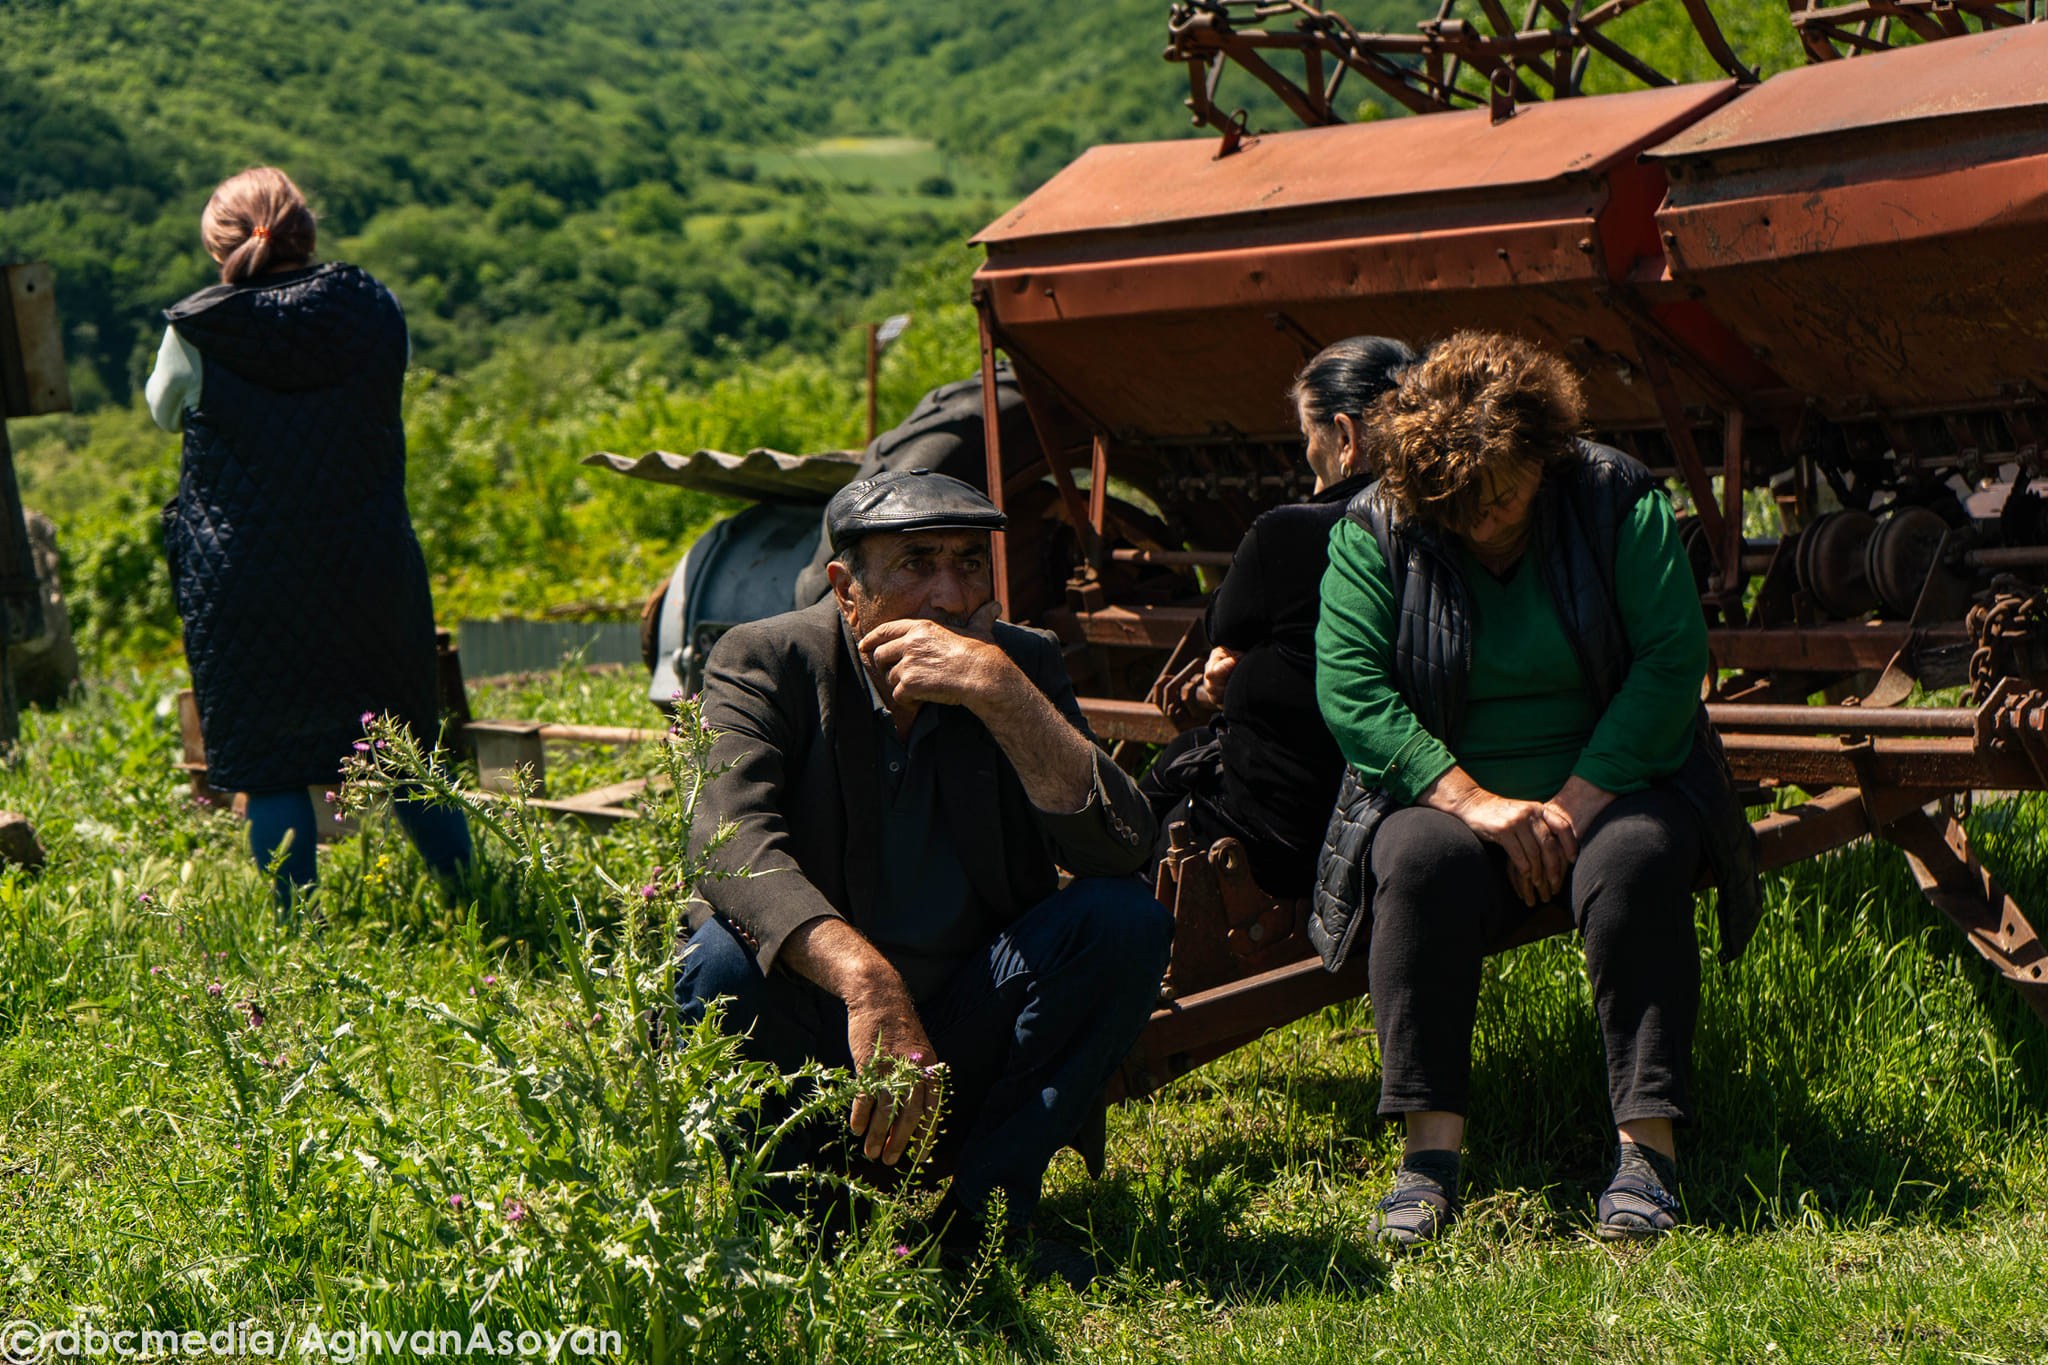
(1633, 1208)
(1412, 1213)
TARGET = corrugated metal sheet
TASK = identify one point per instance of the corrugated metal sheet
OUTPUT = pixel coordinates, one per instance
(766, 475)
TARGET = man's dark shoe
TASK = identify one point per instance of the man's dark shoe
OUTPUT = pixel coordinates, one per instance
(1048, 1258)
(964, 1245)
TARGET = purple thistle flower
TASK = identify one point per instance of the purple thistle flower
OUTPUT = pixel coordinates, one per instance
(146, 898)
(362, 746)
(456, 1201)
(650, 891)
(368, 717)
(333, 797)
(490, 981)
(515, 1212)
(339, 818)
(213, 989)
(899, 1250)
(382, 745)
(156, 971)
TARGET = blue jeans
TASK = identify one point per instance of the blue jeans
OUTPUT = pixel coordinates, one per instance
(1030, 1028)
(440, 833)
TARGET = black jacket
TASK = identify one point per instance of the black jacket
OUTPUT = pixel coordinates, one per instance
(1577, 514)
(302, 589)
(802, 790)
(1280, 765)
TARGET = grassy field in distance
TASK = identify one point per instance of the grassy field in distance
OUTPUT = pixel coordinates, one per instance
(898, 165)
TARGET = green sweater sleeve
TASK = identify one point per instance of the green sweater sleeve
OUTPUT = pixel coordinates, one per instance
(1646, 731)
(1355, 685)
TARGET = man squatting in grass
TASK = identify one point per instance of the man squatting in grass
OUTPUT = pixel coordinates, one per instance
(904, 772)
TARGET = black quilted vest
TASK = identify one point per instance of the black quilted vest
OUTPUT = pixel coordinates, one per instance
(1578, 513)
(302, 589)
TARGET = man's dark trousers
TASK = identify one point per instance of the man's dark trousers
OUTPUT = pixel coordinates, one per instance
(1030, 1028)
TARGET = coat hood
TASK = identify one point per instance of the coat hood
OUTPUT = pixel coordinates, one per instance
(298, 329)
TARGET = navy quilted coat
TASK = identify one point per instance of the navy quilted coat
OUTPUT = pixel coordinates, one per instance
(292, 557)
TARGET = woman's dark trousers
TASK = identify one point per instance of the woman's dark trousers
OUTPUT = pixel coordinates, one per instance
(1444, 900)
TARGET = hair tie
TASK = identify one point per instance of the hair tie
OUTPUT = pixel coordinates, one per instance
(262, 232)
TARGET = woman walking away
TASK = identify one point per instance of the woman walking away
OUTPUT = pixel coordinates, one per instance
(302, 589)
(1510, 657)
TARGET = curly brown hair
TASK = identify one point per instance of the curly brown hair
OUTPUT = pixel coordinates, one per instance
(1479, 404)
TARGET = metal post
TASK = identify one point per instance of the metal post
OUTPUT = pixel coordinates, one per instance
(874, 356)
(32, 381)
(992, 438)
(21, 598)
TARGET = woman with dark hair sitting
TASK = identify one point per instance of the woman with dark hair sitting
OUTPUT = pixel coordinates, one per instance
(1265, 771)
(1510, 656)
(301, 586)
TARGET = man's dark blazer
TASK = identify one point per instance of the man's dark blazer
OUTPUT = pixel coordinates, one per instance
(803, 791)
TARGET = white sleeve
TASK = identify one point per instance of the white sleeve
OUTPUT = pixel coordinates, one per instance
(174, 385)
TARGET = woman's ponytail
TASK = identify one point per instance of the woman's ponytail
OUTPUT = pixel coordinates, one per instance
(257, 222)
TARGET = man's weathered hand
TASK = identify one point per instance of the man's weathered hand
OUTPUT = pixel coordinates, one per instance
(1216, 671)
(884, 1024)
(881, 1020)
(916, 661)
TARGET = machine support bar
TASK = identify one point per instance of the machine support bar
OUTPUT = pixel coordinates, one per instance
(1203, 1025)
(1731, 513)
(1938, 851)
(992, 437)
(1098, 487)
(1679, 430)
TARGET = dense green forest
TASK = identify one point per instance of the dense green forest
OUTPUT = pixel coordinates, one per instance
(651, 171)
(647, 222)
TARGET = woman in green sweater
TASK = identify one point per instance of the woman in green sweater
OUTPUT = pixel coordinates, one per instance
(1518, 696)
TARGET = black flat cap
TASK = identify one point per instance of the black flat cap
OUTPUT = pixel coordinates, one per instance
(907, 500)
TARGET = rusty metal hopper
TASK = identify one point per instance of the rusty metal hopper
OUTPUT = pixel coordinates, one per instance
(1877, 229)
(1165, 292)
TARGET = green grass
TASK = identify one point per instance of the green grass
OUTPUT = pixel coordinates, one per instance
(1866, 1181)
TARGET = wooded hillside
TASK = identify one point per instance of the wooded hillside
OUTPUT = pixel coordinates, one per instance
(632, 223)
(639, 170)
(645, 170)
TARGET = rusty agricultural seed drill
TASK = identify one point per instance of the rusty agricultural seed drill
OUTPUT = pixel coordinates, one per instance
(1824, 284)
